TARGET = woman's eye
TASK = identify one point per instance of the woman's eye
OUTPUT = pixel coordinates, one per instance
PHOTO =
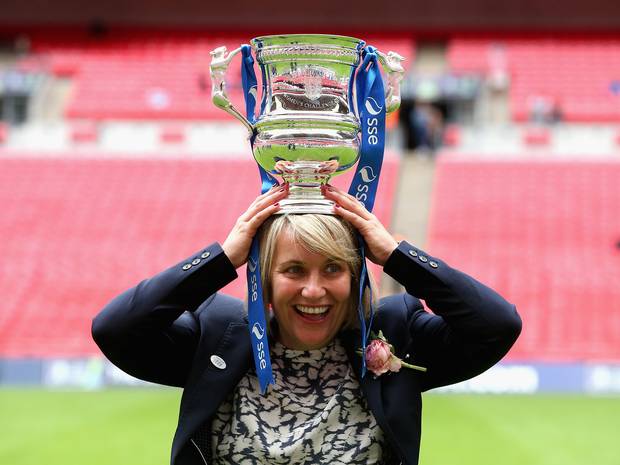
(293, 269)
(333, 268)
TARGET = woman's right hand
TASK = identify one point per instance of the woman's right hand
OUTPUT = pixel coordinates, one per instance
(237, 244)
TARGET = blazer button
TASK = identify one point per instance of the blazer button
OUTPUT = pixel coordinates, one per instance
(196, 261)
(186, 267)
(433, 264)
(422, 258)
(413, 253)
(206, 255)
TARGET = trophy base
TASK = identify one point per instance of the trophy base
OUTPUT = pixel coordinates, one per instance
(300, 207)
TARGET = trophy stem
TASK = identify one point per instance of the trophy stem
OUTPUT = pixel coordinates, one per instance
(305, 179)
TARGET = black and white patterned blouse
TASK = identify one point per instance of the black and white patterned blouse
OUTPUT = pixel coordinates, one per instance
(315, 414)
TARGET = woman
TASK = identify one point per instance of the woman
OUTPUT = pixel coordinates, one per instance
(175, 329)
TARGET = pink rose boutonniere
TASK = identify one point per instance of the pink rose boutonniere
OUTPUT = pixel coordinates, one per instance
(380, 356)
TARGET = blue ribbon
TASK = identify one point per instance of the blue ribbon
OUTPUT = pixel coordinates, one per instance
(370, 100)
(256, 308)
(371, 112)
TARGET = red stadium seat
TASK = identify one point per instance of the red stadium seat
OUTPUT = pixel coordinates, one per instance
(536, 136)
(544, 234)
(4, 132)
(172, 134)
(84, 132)
(452, 135)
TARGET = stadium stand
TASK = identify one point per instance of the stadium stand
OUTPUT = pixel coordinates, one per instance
(134, 75)
(78, 231)
(142, 76)
(546, 234)
(578, 79)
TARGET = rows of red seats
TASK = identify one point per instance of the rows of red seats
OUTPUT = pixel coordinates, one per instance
(133, 76)
(581, 78)
(78, 231)
(547, 236)
(138, 76)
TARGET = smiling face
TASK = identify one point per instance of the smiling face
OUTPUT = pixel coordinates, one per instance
(309, 294)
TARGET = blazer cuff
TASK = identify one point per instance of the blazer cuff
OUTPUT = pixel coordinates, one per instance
(202, 274)
(405, 255)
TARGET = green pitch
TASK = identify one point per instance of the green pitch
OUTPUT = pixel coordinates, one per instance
(520, 430)
(112, 427)
(135, 427)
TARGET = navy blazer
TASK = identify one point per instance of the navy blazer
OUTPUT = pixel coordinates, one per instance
(167, 328)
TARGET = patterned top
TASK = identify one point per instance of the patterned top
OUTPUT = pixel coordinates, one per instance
(314, 414)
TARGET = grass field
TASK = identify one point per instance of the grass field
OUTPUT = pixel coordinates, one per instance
(135, 427)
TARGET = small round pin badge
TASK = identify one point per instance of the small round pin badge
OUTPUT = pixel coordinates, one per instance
(218, 362)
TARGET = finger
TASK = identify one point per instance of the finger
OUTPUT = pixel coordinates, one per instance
(263, 201)
(379, 242)
(257, 220)
(274, 190)
(340, 194)
(272, 198)
(355, 219)
(347, 201)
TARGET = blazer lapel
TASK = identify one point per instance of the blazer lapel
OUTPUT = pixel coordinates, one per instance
(371, 385)
(204, 394)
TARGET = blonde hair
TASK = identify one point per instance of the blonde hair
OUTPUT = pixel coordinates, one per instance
(326, 235)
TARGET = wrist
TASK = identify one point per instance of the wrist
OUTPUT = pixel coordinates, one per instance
(393, 246)
(234, 259)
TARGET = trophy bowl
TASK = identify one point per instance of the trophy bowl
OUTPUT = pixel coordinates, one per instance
(308, 128)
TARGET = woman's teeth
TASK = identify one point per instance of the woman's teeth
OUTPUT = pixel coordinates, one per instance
(311, 310)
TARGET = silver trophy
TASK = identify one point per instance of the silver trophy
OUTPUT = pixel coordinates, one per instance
(307, 131)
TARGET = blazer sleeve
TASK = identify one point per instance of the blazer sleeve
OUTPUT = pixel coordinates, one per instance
(150, 331)
(471, 326)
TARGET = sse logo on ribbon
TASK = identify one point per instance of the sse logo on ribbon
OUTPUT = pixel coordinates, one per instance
(252, 264)
(258, 331)
(367, 176)
(372, 124)
(253, 288)
(372, 106)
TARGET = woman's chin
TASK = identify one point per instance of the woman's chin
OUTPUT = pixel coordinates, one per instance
(311, 341)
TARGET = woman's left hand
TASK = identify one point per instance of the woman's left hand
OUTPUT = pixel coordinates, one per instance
(379, 242)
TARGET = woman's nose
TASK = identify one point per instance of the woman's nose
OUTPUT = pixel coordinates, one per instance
(313, 287)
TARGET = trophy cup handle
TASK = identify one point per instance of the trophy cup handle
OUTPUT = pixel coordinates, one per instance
(392, 66)
(220, 60)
